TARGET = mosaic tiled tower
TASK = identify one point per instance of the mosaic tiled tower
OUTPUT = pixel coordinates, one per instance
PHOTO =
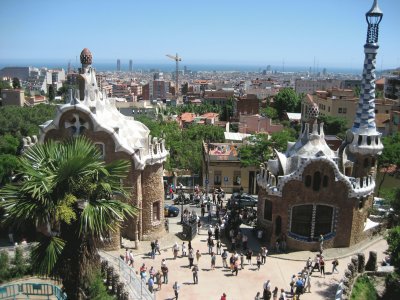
(364, 139)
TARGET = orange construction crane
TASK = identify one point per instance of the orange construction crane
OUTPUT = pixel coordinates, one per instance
(177, 60)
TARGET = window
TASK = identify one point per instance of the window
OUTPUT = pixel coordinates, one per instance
(316, 181)
(344, 110)
(339, 110)
(217, 177)
(156, 211)
(236, 178)
(323, 219)
(303, 224)
(301, 220)
(100, 147)
(268, 210)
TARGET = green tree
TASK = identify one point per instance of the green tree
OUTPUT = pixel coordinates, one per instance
(69, 193)
(393, 239)
(4, 266)
(286, 101)
(334, 125)
(52, 94)
(185, 88)
(389, 161)
(269, 112)
(16, 83)
(4, 85)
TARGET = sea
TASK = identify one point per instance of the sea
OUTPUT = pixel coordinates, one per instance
(170, 67)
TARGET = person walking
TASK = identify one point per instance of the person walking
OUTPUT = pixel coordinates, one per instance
(213, 259)
(249, 254)
(195, 271)
(308, 284)
(322, 266)
(176, 288)
(282, 295)
(157, 244)
(224, 256)
(150, 284)
(175, 250)
(198, 255)
(223, 297)
(131, 260)
(210, 244)
(335, 263)
(321, 243)
(275, 293)
(183, 249)
(164, 270)
(126, 257)
(264, 252)
(158, 280)
(258, 261)
(241, 261)
(191, 257)
(219, 246)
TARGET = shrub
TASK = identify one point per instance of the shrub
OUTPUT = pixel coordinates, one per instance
(392, 283)
(97, 288)
(20, 268)
(363, 289)
(4, 266)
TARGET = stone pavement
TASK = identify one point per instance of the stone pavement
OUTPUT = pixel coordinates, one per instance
(212, 283)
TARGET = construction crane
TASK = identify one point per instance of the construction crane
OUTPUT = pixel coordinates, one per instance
(177, 60)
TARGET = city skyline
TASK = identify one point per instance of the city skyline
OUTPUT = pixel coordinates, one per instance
(311, 33)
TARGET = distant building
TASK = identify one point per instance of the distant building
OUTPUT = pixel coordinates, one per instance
(309, 86)
(257, 124)
(247, 105)
(21, 73)
(12, 97)
(130, 65)
(118, 65)
(222, 168)
(392, 87)
(219, 97)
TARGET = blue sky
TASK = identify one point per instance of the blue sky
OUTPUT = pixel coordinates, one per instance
(220, 31)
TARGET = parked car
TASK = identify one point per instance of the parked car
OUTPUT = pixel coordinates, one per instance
(381, 207)
(170, 211)
(242, 200)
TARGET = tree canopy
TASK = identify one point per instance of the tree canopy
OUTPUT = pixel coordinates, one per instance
(259, 148)
(287, 100)
(334, 125)
(185, 146)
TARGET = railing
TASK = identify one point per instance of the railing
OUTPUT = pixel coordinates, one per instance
(135, 285)
(48, 291)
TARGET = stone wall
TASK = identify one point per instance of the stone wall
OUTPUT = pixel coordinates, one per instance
(153, 194)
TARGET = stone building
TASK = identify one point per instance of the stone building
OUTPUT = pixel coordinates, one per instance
(311, 190)
(92, 114)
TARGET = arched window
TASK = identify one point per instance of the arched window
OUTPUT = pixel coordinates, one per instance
(268, 210)
(308, 181)
(316, 181)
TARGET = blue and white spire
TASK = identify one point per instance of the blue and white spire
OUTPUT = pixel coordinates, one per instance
(365, 138)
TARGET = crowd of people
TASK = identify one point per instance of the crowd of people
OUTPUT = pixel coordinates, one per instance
(234, 255)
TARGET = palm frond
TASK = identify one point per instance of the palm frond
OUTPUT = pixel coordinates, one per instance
(101, 216)
(46, 254)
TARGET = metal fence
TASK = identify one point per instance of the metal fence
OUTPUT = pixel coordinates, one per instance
(136, 287)
(45, 290)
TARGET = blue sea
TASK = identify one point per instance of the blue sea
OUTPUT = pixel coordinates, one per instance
(108, 65)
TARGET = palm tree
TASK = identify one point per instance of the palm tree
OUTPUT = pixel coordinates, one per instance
(70, 194)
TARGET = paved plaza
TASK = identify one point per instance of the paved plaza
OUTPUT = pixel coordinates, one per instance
(213, 283)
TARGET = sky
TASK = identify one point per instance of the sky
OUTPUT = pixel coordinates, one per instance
(255, 32)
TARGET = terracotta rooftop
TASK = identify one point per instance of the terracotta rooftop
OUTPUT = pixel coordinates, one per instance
(187, 117)
(210, 115)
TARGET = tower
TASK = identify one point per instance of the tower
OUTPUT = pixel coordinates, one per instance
(130, 65)
(118, 65)
(363, 141)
